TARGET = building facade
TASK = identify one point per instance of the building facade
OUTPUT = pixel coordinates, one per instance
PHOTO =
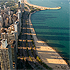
(5, 56)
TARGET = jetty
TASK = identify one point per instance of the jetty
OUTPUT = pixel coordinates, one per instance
(42, 8)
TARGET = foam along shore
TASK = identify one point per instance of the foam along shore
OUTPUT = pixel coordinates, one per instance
(48, 55)
(40, 7)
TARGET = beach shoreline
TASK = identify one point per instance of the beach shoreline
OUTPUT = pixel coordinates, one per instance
(48, 55)
(51, 58)
(41, 7)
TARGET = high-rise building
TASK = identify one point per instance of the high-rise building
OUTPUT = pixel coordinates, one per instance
(22, 7)
(6, 22)
(17, 27)
(12, 40)
(19, 14)
(4, 6)
(1, 20)
(8, 9)
(5, 55)
(18, 4)
(19, 18)
(10, 19)
(4, 35)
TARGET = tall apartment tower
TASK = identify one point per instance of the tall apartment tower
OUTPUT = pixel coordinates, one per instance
(9, 15)
(17, 27)
(8, 9)
(22, 6)
(19, 18)
(12, 40)
(4, 6)
(5, 56)
(19, 14)
(18, 4)
(4, 35)
(1, 20)
(10, 19)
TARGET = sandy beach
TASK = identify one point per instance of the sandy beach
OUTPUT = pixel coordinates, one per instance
(40, 7)
(48, 55)
(25, 1)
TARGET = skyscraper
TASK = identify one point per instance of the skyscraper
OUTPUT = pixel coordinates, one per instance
(1, 20)
(18, 4)
(5, 56)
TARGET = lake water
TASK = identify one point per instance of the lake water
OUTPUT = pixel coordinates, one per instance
(53, 26)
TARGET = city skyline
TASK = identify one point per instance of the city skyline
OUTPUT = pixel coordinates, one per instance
(20, 47)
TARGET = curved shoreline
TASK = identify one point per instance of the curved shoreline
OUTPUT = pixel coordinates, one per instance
(40, 7)
(48, 55)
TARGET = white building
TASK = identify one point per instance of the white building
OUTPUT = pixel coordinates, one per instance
(1, 21)
(4, 43)
(17, 27)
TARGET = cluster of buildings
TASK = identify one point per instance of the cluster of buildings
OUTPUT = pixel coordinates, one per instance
(9, 36)
(5, 16)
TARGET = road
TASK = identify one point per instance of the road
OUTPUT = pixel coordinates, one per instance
(25, 35)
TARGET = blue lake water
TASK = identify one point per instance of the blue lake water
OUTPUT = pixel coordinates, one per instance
(53, 26)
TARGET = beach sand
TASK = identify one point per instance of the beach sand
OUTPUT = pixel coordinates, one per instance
(41, 7)
(48, 55)
(25, 1)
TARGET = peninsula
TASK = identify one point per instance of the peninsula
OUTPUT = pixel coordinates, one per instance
(40, 7)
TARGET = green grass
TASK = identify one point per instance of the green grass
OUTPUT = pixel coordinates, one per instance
(42, 63)
(30, 58)
(33, 8)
